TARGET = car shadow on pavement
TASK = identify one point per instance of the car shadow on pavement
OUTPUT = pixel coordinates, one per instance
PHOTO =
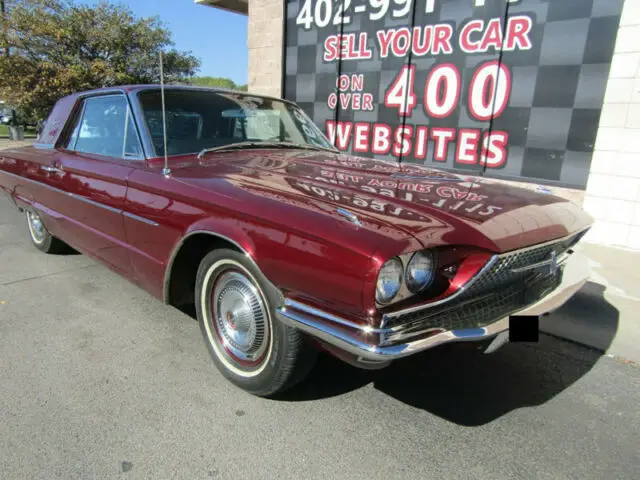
(67, 250)
(466, 387)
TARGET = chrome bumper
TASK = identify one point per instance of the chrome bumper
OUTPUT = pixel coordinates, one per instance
(351, 338)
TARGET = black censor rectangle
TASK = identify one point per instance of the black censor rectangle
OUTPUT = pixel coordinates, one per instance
(524, 328)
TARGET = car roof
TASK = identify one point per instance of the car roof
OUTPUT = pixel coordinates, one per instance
(152, 86)
(63, 109)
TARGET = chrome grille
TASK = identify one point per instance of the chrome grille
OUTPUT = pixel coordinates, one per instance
(501, 272)
(498, 292)
(475, 311)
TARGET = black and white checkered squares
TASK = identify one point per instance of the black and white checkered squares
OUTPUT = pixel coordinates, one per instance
(556, 87)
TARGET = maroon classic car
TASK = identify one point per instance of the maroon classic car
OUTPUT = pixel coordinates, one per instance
(281, 244)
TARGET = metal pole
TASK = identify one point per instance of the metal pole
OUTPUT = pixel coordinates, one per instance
(166, 172)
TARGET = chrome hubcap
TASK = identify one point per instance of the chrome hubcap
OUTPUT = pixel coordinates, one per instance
(240, 317)
(36, 227)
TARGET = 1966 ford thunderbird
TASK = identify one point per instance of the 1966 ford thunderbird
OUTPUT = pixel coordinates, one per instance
(280, 243)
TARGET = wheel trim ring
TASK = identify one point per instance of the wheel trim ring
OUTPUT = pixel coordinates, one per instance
(36, 227)
(211, 336)
(224, 341)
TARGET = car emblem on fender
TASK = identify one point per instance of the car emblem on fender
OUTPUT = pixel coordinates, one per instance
(553, 264)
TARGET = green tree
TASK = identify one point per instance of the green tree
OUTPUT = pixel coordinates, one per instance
(58, 47)
(216, 82)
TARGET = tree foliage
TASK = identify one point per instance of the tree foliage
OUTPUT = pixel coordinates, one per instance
(58, 47)
(217, 82)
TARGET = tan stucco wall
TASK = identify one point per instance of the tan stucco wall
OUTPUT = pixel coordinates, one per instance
(265, 39)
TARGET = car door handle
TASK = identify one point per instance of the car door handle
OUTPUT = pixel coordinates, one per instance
(50, 169)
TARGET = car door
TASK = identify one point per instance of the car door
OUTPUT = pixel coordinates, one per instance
(37, 186)
(99, 155)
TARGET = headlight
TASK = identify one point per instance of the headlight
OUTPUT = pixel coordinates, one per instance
(420, 271)
(389, 281)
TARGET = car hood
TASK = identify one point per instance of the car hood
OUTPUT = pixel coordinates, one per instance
(434, 206)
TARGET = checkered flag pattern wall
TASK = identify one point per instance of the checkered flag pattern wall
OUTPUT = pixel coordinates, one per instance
(510, 89)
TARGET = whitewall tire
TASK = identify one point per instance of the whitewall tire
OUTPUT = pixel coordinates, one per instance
(40, 236)
(235, 306)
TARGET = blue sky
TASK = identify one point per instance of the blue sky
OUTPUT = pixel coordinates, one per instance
(217, 37)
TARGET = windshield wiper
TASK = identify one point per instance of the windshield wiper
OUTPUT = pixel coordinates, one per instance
(241, 145)
(232, 146)
(309, 146)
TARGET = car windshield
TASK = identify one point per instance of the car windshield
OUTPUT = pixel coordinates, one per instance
(201, 119)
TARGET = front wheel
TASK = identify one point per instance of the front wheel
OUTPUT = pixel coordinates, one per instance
(40, 237)
(248, 344)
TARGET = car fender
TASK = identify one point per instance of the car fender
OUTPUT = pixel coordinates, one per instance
(299, 265)
(223, 229)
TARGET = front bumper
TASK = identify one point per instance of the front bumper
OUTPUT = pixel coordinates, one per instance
(360, 341)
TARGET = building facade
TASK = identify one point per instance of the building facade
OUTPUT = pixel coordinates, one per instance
(545, 93)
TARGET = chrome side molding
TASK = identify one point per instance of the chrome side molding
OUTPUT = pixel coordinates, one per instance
(80, 197)
(140, 219)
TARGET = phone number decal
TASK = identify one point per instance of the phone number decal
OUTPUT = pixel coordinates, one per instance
(322, 13)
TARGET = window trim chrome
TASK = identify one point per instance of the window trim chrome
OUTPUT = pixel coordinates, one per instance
(78, 121)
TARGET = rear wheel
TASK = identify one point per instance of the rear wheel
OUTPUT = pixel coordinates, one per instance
(40, 237)
(249, 345)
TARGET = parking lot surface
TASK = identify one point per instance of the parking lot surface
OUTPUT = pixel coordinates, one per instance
(100, 380)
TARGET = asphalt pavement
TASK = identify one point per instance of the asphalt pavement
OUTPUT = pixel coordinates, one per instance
(100, 380)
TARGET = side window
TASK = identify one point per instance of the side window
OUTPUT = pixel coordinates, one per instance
(132, 146)
(73, 138)
(106, 128)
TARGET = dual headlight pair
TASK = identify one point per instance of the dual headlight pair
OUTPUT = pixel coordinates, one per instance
(417, 276)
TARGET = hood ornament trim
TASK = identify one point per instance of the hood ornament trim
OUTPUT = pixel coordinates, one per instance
(352, 217)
